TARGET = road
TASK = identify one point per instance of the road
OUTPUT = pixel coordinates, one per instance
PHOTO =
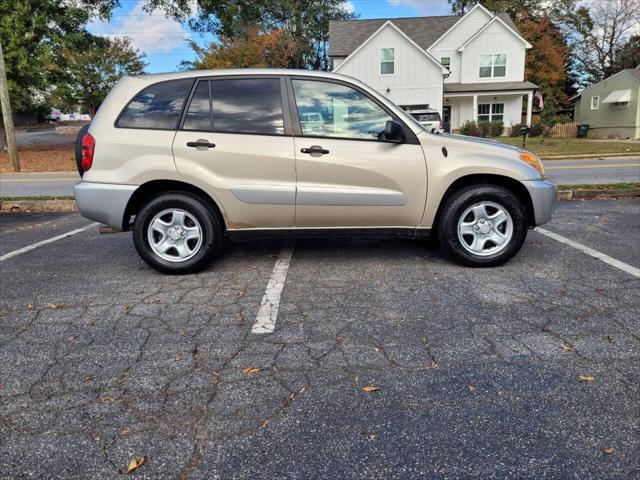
(529, 370)
(609, 170)
(42, 137)
(565, 172)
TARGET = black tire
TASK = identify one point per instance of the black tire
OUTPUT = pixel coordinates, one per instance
(209, 222)
(456, 205)
(81, 134)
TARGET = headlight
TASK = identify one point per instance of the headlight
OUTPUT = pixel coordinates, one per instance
(532, 160)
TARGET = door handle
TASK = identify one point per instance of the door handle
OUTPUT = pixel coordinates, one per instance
(317, 149)
(201, 144)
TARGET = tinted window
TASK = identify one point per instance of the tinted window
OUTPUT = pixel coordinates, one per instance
(157, 106)
(426, 117)
(252, 105)
(199, 112)
(332, 110)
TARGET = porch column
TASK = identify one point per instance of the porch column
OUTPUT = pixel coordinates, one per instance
(475, 108)
(529, 107)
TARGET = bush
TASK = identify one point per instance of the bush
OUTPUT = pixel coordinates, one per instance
(470, 128)
(515, 129)
(483, 128)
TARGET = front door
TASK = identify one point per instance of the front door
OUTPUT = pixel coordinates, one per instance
(233, 144)
(347, 175)
(446, 118)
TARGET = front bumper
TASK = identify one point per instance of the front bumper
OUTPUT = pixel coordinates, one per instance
(543, 196)
(103, 202)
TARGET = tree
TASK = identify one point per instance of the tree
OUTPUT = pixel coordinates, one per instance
(628, 56)
(88, 69)
(257, 50)
(31, 32)
(601, 31)
(304, 22)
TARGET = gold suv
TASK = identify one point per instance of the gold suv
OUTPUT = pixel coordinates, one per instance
(186, 159)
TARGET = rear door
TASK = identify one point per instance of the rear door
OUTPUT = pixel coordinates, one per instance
(347, 175)
(235, 141)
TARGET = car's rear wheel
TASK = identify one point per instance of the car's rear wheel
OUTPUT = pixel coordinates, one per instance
(177, 233)
(482, 225)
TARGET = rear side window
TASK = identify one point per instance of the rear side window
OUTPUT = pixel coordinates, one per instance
(157, 107)
(251, 105)
(199, 112)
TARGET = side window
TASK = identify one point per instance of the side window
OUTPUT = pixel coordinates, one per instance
(199, 112)
(333, 110)
(157, 106)
(251, 105)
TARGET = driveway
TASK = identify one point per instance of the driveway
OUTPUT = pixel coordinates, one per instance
(386, 360)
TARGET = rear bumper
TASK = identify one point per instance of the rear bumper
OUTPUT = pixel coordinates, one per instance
(543, 196)
(103, 202)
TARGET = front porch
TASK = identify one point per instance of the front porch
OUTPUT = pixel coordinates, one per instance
(486, 101)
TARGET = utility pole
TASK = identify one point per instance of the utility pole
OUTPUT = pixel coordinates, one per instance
(7, 117)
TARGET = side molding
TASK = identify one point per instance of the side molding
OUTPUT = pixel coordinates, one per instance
(265, 194)
(350, 196)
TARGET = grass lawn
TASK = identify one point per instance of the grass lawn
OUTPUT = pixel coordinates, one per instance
(571, 146)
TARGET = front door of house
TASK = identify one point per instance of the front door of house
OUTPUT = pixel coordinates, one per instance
(446, 118)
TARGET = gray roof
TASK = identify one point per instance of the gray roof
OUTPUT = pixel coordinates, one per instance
(487, 86)
(346, 36)
(634, 72)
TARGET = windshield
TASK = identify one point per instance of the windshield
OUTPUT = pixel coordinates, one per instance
(427, 117)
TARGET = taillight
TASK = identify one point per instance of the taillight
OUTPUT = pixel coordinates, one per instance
(88, 146)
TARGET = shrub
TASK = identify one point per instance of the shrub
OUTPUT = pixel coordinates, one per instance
(485, 128)
(470, 128)
(496, 127)
(515, 129)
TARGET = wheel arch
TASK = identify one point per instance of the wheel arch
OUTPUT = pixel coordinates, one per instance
(514, 186)
(152, 189)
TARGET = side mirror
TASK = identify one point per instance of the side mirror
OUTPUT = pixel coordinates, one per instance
(393, 132)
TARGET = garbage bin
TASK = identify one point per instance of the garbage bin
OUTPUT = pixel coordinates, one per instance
(582, 130)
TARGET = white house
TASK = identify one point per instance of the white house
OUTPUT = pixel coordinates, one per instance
(468, 67)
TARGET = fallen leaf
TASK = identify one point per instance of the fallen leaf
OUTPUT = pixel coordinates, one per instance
(566, 347)
(216, 373)
(611, 339)
(376, 349)
(125, 431)
(55, 306)
(434, 364)
(471, 388)
(609, 451)
(88, 378)
(264, 423)
(30, 306)
(302, 390)
(370, 389)
(135, 464)
(500, 392)
(251, 370)
(373, 436)
(107, 399)
(178, 357)
(586, 378)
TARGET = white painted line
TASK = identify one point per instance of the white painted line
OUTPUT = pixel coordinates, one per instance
(268, 312)
(33, 246)
(590, 251)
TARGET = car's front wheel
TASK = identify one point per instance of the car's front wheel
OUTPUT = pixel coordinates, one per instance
(482, 225)
(177, 233)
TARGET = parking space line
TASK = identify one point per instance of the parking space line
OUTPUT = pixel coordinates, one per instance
(33, 246)
(590, 251)
(268, 312)
(607, 165)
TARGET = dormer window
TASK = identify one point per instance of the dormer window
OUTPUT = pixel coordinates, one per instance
(387, 61)
(493, 65)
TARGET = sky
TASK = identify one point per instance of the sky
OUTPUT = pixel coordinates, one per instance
(164, 41)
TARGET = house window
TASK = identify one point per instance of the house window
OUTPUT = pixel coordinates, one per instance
(484, 112)
(446, 62)
(490, 111)
(595, 103)
(387, 61)
(493, 65)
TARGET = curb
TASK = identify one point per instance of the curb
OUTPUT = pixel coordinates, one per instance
(601, 194)
(38, 206)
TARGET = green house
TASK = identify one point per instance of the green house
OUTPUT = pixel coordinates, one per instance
(611, 107)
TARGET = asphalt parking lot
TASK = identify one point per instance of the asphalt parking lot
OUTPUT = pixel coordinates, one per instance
(530, 370)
